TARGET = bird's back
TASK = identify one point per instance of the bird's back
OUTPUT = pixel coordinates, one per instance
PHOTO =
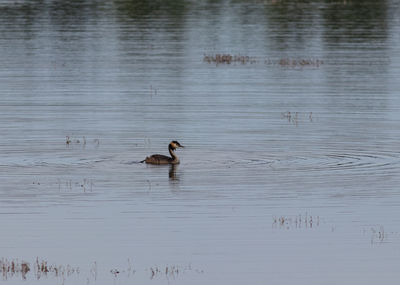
(158, 159)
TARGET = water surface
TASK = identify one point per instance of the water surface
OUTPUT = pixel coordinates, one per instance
(290, 172)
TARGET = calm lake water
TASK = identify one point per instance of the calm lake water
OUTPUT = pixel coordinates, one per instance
(290, 174)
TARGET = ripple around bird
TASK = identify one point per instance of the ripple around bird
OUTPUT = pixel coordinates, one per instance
(327, 162)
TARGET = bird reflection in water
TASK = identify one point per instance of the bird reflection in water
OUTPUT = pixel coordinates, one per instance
(173, 176)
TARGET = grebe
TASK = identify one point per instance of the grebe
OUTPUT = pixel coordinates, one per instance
(163, 159)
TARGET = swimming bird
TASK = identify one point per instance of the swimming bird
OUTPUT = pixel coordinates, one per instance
(163, 159)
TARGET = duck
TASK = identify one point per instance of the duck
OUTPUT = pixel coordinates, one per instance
(163, 159)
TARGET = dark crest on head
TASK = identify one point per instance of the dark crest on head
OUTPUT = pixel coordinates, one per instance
(174, 144)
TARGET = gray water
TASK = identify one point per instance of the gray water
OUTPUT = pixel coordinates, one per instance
(290, 174)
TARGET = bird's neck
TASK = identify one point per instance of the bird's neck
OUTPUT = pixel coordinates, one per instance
(172, 153)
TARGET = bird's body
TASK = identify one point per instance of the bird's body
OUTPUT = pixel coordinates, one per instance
(160, 159)
(163, 159)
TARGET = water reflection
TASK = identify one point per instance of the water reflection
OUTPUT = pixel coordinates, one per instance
(293, 23)
(143, 8)
(172, 172)
(268, 141)
(355, 21)
(297, 23)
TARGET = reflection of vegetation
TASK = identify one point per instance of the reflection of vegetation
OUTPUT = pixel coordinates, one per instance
(355, 19)
(338, 19)
(23, 7)
(138, 8)
(19, 14)
(350, 18)
(291, 19)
